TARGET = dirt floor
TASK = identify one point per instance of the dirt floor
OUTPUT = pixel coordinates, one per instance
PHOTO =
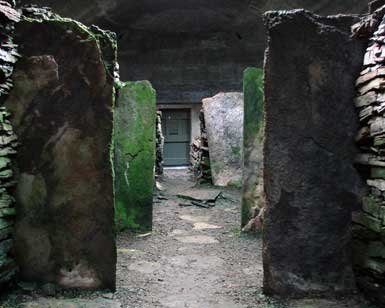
(194, 258)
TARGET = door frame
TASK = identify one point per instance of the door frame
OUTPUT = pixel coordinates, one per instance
(189, 130)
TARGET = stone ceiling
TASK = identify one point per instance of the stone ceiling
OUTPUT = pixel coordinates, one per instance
(189, 49)
(187, 15)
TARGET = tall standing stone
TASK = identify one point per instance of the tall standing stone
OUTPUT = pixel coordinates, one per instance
(223, 115)
(309, 179)
(61, 109)
(252, 141)
(134, 143)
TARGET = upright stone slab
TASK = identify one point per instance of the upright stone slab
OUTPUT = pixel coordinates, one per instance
(134, 142)
(61, 109)
(223, 115)
(252, 141)
(310, 183)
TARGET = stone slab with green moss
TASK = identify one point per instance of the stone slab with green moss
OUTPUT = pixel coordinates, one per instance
(252, 141)
(61, 109)
(134, 155)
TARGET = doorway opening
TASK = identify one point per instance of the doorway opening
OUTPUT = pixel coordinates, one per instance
(176, 127)
(180, 126)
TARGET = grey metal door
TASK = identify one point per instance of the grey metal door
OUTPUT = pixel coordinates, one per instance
(176, 127)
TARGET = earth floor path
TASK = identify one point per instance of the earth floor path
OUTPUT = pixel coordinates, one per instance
(195, 257)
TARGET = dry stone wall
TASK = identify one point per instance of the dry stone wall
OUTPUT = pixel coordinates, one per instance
(369, 222)
(310, 183)
(61, 109)
(8, 142)
(200, 156)
(159, 145)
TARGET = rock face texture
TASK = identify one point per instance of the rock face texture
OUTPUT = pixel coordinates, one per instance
(369, 221)
(134, 144)
(252, 142)
(189, 49)
(61, 110)
(8, 143)
(309, 179)
(223, 115)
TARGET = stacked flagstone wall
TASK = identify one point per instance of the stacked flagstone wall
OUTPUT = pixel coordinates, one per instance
(8, 141)
(159, 145)
(369, 222)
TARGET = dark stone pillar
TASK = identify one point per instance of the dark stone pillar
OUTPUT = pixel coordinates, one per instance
(310, 183)
(134, 143)
(61, 109)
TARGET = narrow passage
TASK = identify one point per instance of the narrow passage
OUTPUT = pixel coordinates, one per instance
(195, 256)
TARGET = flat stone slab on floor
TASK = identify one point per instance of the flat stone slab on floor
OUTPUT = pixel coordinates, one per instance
(72, 303)
(196, 261)
(145, 267)
(195, 219)
(201, 194)
(178, 301)
(197, 239)
(205, 226)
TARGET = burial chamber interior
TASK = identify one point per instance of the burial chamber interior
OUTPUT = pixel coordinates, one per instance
(184, 67)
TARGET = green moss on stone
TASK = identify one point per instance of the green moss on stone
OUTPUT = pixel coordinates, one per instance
(7, 212)
(371, 206)
(235, 184)
(31, 195)
(5, 223)
(134, 155)
(236, 151)
(377, 173)
(253, 127)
